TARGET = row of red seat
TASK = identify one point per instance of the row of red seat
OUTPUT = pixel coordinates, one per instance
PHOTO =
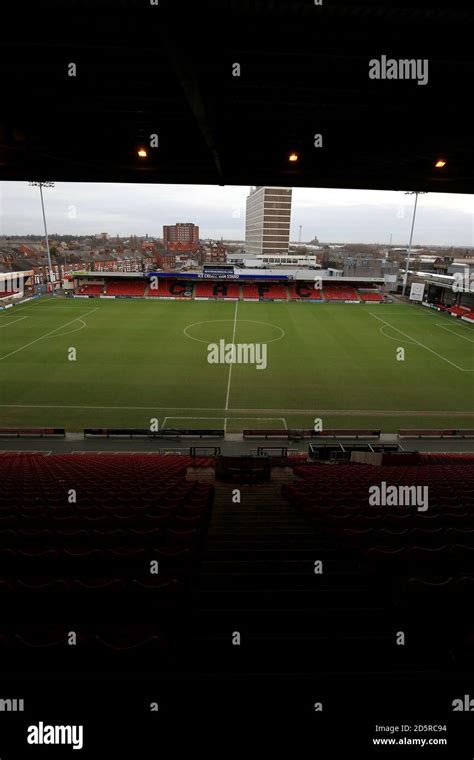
(232, 291)
(91, 290)
(370, 297)
(340, 292)
(72, 522)
(460, 311)
(135, 288)
(127, 288)
(417, 564)
(213, 290)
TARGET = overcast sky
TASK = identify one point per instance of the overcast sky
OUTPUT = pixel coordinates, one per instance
(359, 216)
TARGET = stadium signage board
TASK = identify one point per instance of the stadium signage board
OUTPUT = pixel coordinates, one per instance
(417, 291)
(216, 275)
(202, 276)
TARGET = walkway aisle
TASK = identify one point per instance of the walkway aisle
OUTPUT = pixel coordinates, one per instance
(258, 580)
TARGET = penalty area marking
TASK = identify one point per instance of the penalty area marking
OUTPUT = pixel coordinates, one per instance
(191, 418)
(42, 337)
(381, 330)
(422, 345)
(453, 332)
(7, 324)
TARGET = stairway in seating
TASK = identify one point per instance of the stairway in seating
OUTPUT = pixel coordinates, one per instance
(258, 579)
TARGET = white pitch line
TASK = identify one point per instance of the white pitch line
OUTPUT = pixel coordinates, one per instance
(12, 322)
(29, 305)
(455, 333)
(420, 344)
(460, 323)
(391, 337)
(173, 417)
(250, 413)
(230, 366)
(27, 345)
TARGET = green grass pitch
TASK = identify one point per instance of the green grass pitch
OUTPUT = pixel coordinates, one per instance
(137, 360)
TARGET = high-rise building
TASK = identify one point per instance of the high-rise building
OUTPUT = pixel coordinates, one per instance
(183, 232)
(267, 222)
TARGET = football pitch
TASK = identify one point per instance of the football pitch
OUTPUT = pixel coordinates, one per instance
(121, 363)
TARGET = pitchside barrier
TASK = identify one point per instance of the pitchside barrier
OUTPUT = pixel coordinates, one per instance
(300, 434)
(174, 433)
(388, 458)
(343, 452)
(32, 433)
(466, 433)
(204, 451)
(271, 451)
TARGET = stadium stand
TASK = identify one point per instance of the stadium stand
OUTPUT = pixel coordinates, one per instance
(78, 533)
(340, 293)
(273, 291)
(419, 562)
(460, 311)
(230, 291)
(157, 289)
(304, 291)
(204, 290)
(130, 510)
(127, 288)
(217, 290)
(91, 290)
(370, 297)
(162, 288)
(250, 292)
(264, 292)
(447, 458)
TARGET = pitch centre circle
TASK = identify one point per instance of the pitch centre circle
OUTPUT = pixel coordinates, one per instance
(188, 329)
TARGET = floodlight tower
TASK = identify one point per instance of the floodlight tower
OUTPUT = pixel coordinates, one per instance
(416, 193)
(42, 184)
